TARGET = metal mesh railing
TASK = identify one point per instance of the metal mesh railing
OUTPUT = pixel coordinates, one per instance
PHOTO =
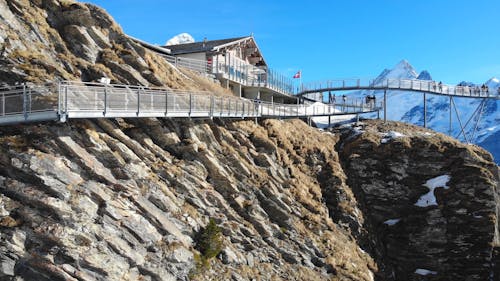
(239, 72)
(96, 100)
(27, 99)
(123, 100)
(400, 84)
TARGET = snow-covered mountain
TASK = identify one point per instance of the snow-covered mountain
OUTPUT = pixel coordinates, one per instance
(408, 107)
(182, 38)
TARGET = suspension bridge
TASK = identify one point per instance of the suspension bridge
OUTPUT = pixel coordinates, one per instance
(425, 87)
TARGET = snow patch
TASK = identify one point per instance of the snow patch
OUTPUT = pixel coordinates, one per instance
(424, 272)
(427, 134)
(429, 199)
(182, 38)
(391, 222)
(390, 136)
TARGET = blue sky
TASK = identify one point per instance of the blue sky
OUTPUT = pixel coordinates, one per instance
(454, 40)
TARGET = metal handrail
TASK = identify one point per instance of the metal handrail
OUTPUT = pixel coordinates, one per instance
(398, 84)
(96, 100)
(244, 74)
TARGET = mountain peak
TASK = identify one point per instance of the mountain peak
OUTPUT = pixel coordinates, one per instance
(424, 75)
(493, 82)
(404, 63)
(182, 38)
(402, 70)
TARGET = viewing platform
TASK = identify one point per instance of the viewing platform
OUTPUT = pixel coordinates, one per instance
(73, 100)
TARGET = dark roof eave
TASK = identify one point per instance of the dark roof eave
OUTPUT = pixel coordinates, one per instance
(151, 46)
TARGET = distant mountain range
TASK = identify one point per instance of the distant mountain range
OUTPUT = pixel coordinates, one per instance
(408, 107)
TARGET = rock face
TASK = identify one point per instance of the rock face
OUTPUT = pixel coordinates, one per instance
(47, 40)
(409, 230)
(121, 200)
(133, 193)
(124, 199)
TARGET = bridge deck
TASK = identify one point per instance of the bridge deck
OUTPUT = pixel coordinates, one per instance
(92, 100)
(425, 86)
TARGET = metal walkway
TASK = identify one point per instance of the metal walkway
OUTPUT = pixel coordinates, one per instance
(69, 100)
(424, 86)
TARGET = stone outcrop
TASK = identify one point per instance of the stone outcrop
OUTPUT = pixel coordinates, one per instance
(450, 233)
(47, 40)
(122, 199)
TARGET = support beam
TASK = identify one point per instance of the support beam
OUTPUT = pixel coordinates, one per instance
(385, 106)
(460, 122)
(451, 129)
(425, 109)
(480, 114)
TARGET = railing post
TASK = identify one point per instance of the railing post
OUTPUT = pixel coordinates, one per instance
(211, 112)
(29, 105)
(105, 99)
(24, 100)
(3, 104)
(166, 103)
(138, 101)
(66, 100)
(190, 103)
(59, 98)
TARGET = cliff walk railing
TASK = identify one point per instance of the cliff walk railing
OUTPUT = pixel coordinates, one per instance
(63, 100)
(414, 85)
(236, 71)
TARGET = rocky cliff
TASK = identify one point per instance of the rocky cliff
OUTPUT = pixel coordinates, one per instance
(143, 199)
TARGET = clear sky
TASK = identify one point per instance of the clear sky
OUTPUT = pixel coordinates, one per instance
(454, 40)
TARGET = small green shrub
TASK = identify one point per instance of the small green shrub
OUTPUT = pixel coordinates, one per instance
(209, 240)
(209, 243)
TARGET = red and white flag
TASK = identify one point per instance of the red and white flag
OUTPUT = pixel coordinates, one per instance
(297, 75)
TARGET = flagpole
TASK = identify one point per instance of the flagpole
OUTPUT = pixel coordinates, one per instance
(300, 80)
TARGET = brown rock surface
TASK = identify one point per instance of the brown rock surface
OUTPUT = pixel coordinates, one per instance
(453, 237)
(123, 199)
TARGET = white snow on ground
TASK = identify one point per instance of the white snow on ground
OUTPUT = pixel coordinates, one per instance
(427, 134)
(429, 199)
(421, 271)
(390, 136)
(182, 38)
(322, 121)
(391, 222)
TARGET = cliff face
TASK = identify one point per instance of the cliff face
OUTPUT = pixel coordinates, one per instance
(127, 199)
(116, 200)
(123, 199)
(448, 231)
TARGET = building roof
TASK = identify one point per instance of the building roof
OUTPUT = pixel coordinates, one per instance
(152, 47)
(203, 46)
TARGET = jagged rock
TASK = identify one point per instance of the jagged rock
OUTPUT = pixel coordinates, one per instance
(123, 199)
(6, 266)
